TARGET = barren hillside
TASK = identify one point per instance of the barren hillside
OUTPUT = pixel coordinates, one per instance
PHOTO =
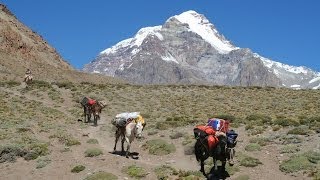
(42, 138)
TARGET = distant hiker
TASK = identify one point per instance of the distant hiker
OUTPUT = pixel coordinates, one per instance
(28, 76)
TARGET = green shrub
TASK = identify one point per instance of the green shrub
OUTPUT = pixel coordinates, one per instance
(159, 147)
(176, 135)
(285, 122)
(93, 152)
(296, 163)
(9, 152)
(150, 133)
(12, 83)
(41, 84)
(92, 141)
(290, 139)
(189, 150)
(66, 85)
(242, 177)
(190, 175)
(300, 130)
(289, 149)
(135, 171)
(262, 141)
(248, 161)
(164, 172)
(101, 176)
(67, 139)
(43, 162)
(259, 119)
(253, 147)
(78, 169)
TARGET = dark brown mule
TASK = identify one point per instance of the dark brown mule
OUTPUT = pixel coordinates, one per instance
(96, 111)
(202, 152)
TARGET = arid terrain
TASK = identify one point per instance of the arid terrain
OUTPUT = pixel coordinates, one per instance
(42, 136)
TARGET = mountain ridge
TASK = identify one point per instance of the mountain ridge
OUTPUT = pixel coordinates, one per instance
(194, 52)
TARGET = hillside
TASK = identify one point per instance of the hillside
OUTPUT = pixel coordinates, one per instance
(22, 48)
(40, 134)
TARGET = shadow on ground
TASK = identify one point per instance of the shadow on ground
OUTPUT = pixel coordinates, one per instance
(133, 155)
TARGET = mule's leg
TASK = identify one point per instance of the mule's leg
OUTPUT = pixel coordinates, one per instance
(223, 166)
(122, 144)
(117, 134)
(202, 167)
(128, 146)
(214, 164)
(85, 113)
(95, 119)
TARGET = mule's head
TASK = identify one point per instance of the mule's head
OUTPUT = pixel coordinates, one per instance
(138, 129)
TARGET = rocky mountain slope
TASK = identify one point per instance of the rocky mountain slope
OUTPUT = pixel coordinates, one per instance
(22, 48)
(187, 48)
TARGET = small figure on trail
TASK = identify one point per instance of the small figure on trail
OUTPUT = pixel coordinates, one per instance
(28, 76)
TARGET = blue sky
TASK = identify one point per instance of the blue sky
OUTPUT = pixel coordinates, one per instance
(287, 31)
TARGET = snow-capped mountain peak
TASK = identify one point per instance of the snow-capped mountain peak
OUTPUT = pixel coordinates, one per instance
(201, 26)
(187, 48)
(136, 40)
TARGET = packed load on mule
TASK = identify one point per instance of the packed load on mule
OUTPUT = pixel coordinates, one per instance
(214, 128)
(122, 119)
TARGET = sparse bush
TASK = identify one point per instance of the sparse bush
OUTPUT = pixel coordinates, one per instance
(164, 172)
(232, 169)
(259, 119)
(150, 133)
(289, 149)
(253, 147)
(296, 163)
(101, 176)
(242, 177)
(12, 83)
(66, 85)
(189, 150)
(9, 152)
(248, 161)
(159, 147)
(135, 171)
(93, 152)
(291, 139)
(39, 84)
(285, 122)
(176, 135)
(194, 175)
(43, 162)
(300, 130)
(78, 168)
(92, 141)
(68, 140)
(262, 141)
